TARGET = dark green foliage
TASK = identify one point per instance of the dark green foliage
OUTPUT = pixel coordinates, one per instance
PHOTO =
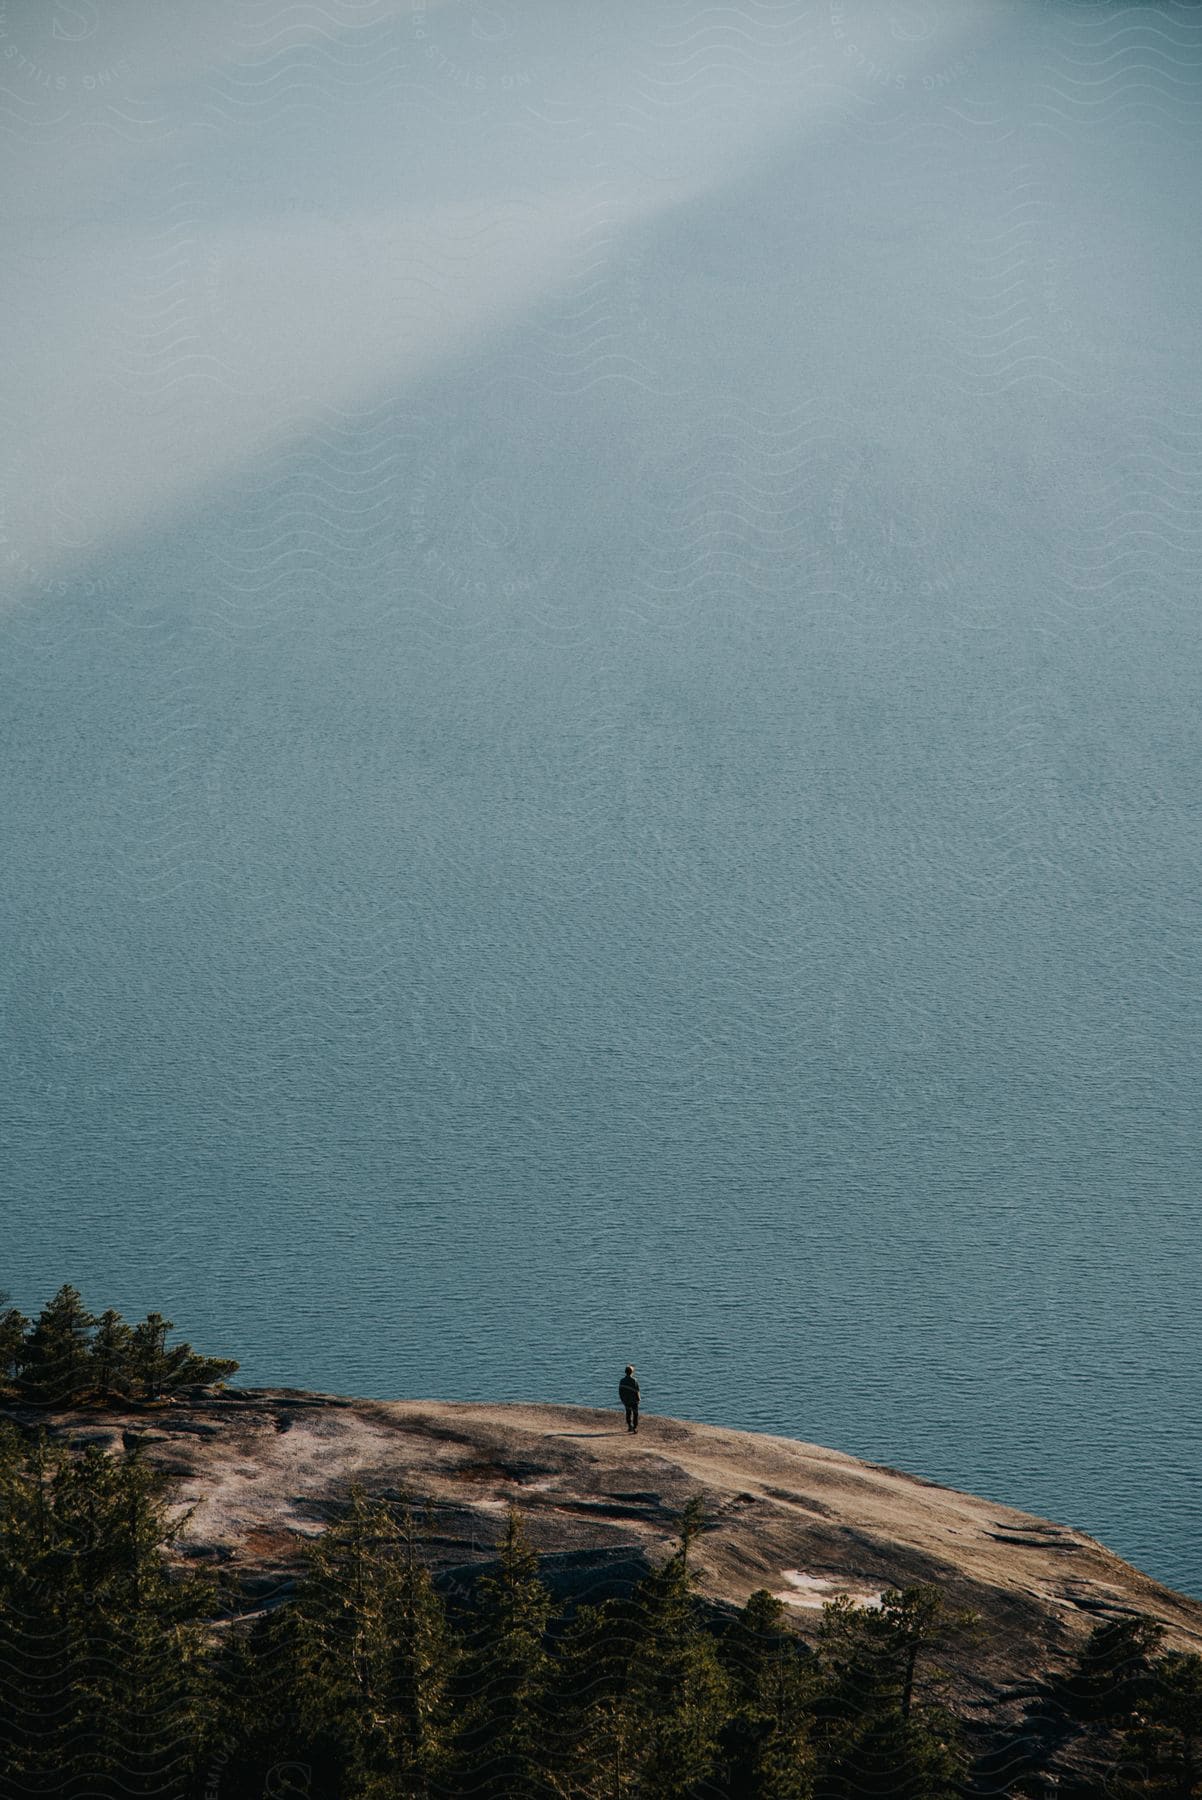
(1113, 1671)
(1167, 1733)
(878, 1733)
(1156, 1738)
(103, 1683)
(110, 1360)
(1133, 1712)
(68, 1356)
(871, 1655)
(767, 1737)
(642, 1696)
(156, 1367)
(53, 1362)
(381, 1697)
(426, 1660)
(369, 1658)
(896, 1758)
(13, 1327)
(508, 1677)
(677, 1691)
(595, 1724)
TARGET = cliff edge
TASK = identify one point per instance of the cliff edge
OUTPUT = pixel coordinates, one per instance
(263, 1469)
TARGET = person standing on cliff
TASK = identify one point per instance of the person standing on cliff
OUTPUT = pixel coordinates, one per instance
(628, 1394)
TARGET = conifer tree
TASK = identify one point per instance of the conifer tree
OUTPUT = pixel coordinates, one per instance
(505, 1750)
(148, 1358)
(915, 1621)
(159, 1366)
(426, 1656)
(676, 1692)
(102, 1667)
(1166, 1734)
(195, 1370)
(1113, 1671)
(13, 1327)
(767, 1738)
(371, 1658)
(343, 1650)
(887, 1757)
(150, 1688)
(257, 1699)
(112, 1346)
(877, 1736)
(54, 1360)
(595, 1754)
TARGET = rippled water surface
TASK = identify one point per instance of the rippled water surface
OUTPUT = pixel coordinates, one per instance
(600, 703)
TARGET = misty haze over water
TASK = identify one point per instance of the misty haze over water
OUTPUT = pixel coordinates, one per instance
(599, 678)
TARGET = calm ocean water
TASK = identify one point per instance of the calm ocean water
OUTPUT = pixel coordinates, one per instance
(599, 698)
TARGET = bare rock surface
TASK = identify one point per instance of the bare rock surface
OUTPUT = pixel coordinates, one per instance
(261, 1470)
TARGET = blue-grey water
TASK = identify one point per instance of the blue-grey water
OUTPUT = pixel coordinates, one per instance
(599, 688)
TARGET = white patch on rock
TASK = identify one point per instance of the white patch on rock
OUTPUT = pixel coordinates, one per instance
(815, 1590)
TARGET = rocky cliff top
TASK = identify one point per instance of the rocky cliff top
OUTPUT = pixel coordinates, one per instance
(263, 1469)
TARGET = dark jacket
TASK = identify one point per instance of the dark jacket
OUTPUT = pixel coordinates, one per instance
(628, 1391)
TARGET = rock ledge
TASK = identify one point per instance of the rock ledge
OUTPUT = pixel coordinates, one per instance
(264, 1469)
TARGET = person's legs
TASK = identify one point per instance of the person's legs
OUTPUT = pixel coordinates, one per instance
(635, 1415)
(629, 1411)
